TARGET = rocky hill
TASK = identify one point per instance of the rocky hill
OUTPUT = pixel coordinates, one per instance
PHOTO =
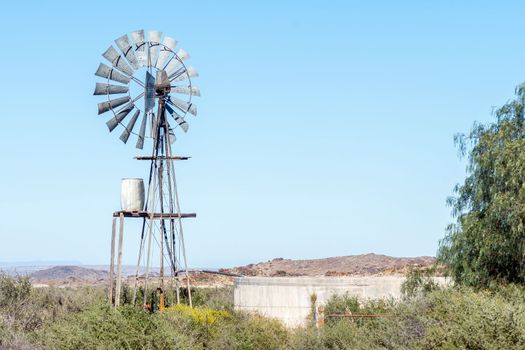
(352, 265)
(69, 273)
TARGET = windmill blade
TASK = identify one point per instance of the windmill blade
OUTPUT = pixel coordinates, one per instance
(183, 55)
(104, 71)
(106, 106)
(173, 65)
(180, 120)
(118, 62)
(186, 107)
(142, 132)
(113, 122)
(129, 128)
(183, 74)
(186, 90)
(153, 44)
(176, 61)
(171, 135)
(165, 51)
(140, 47)
(108, 89)
(126, 48)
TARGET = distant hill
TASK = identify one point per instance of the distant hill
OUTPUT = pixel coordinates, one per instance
(352, 265)
(71, 273)
(37, 263)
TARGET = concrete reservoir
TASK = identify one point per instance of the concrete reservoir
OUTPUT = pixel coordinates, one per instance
(288, 298)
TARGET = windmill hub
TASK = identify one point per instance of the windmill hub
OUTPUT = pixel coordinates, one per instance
(162, 84)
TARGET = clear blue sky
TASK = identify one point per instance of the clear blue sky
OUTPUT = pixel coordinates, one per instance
(324, 128)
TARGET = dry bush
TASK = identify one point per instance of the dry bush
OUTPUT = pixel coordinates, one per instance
(453, 318)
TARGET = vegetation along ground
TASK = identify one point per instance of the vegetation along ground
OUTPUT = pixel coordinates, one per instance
(426, 318)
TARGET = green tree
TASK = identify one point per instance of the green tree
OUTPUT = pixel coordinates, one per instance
(486, 244)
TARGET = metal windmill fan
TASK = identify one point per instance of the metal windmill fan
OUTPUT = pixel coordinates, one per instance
(155, 72)
(148, 79)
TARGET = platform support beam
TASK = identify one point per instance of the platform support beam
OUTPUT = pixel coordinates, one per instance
(112, 262)
(119, 261)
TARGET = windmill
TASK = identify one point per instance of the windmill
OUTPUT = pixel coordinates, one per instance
(147, 79)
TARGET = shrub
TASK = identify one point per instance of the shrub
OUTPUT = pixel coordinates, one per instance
(349, 304)
(24, 308)
(454, 318)
(418, 281)
(102, 327)
(13, 291)
(201, 316)
(244, 331)
(220, 298)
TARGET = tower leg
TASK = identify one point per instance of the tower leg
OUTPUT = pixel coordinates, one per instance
(141, 247)
(119, 260)
(186, 265)
(161, 268)
(112, 262)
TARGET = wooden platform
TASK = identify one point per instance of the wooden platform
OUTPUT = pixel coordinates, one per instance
(163, 157)
(145, 214)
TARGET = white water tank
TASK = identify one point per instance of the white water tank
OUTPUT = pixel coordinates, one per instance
(132, 195)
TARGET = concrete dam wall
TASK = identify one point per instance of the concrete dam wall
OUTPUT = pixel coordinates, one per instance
(288, 298)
